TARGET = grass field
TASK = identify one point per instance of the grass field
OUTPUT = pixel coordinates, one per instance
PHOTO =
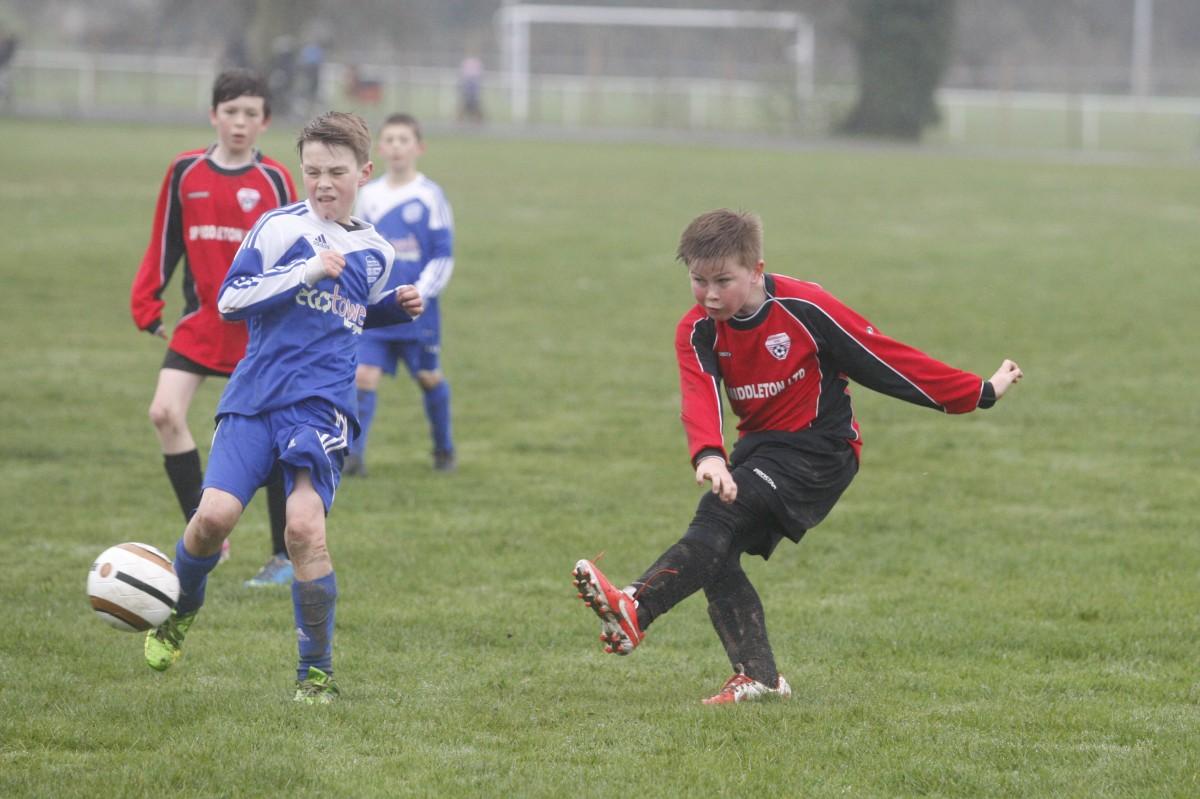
(1003, 604)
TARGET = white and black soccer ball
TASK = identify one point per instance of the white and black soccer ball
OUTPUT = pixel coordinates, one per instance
(133, 587)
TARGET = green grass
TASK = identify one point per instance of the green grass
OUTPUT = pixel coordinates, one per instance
(1003, 604)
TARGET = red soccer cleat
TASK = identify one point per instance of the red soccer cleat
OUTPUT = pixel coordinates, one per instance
(617, 610)
(740, 688)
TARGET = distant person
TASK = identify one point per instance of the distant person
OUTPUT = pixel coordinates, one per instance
(785, 350)
(208, 200)
(281, 77)
(8, 51)
(235, 55)
(470, 90)
(362, 89)
(411, 212)
(308, 278)
(310, 62)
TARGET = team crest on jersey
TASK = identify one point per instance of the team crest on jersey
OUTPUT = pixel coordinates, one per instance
(779, 345)
(374, 268)
(248, 198)
(412, 212)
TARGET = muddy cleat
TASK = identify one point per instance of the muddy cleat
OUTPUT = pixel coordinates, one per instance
(617, 610)
(740, 688)
(354, 466)
(316, 689)
(164, 645)
(276, 571)
(444, 460)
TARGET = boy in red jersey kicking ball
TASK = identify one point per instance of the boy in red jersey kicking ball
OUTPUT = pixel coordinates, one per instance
(208, 201)
(785, 350)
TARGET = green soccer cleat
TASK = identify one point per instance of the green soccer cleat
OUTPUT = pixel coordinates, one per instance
(164, 645)
(317, 689)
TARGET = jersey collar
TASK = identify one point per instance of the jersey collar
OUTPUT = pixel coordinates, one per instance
(240, 170)
(759, 316)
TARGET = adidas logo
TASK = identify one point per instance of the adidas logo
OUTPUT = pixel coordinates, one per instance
(320, 242)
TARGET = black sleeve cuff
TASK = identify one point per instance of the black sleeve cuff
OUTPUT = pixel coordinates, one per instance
(153, 327)
(707, 453)
(987, 397)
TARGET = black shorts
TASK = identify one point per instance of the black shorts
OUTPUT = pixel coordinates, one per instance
(783, 491)
(173, 360)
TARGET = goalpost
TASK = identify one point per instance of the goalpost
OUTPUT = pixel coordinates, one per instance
(515, 21)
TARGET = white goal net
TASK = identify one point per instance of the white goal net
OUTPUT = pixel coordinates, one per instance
(688, 65)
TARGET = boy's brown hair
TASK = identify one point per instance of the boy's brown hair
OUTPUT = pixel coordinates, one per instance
(234, 83)
(722, 234)
(338, 128)
(408, 120)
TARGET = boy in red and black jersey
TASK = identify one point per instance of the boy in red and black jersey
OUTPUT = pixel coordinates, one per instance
(209, 200)
(785, 351)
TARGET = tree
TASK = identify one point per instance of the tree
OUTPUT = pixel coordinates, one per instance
(902, 48)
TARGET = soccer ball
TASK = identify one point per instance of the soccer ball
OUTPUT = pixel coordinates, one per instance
(133, 587)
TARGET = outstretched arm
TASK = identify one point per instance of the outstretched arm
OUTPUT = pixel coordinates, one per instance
(1008, 374)
(869, 357)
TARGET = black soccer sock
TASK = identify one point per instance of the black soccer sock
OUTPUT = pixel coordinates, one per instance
(680, 572)
(183, 469)
(277, 512)
(737, 616)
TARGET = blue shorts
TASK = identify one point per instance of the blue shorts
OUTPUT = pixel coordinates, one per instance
(310, 435)
(418, 356)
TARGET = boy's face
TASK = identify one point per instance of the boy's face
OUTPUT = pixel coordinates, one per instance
(400, 148)
(238, 122)
(725, 287)
(332, 178)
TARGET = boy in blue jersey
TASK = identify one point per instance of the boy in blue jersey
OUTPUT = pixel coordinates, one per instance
(307, 279)
(411, 212)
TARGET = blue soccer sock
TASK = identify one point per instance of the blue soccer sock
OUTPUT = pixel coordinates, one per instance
(192, 572)
(313, 603)
(366, 415)
(437, 409)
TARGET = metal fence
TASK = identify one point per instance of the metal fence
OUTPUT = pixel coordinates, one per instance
(168, 88)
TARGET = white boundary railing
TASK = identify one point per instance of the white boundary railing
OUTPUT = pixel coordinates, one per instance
(73, 84)
(1086, 113)
(85, 69)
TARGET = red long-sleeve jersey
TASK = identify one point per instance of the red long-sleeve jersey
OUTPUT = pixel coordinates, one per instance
(204, 211)
(786, 369)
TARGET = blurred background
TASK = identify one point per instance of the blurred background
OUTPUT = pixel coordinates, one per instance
(1088, 75)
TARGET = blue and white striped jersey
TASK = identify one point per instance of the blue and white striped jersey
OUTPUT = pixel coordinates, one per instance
(417, 221)
(303, 339)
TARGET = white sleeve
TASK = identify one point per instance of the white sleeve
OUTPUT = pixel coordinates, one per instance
(274, 259)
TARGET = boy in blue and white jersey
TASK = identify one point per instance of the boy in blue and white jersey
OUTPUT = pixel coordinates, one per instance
(412, 213)
(307, 279)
